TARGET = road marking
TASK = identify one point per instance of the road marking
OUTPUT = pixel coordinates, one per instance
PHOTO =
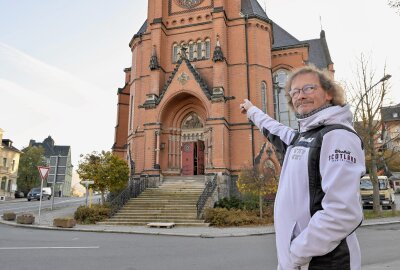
(21, 248)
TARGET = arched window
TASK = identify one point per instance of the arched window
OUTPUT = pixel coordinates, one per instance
(281, 109)
(175, 50)
(264, 96)
(191, 50)
(199, 50)
(208, 48)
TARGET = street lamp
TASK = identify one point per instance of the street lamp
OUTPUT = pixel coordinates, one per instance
(384, 78)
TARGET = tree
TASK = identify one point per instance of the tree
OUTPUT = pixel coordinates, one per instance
(28, 174)
(109, 172)
(395, 4)
(368, 98)
(259, 179)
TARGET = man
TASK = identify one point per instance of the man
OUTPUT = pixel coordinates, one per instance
(317, 206)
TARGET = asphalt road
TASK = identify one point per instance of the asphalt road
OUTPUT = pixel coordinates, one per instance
(22, 205)
(22, 249)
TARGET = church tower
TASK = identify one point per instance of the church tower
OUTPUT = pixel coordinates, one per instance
(193, 63)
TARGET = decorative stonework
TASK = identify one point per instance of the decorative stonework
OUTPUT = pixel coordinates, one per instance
(188, 3)
(193, 3)
(183, 78)
(192, 122)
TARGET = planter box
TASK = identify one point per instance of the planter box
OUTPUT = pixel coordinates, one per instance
(26, 219)
(64, 222)
(10, 216)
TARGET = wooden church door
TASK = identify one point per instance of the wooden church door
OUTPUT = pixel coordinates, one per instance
(193, 158)
(188, 158)
(200, 157)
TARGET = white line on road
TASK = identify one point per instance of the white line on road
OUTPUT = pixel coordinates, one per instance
(20, 248)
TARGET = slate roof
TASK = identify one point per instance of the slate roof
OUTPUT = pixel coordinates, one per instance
(50, 149)
(7, 144)
(282, 38)
(142, 29)
(387, 113)
(252, 8)
(318, 48)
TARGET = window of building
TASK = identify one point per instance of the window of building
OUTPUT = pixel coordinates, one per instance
(195, 50)
(264, 96)
(199, 50)
(131, 122)
(175, 50)
(4, 162)
(13, 165)
(191, 50)
(3, 183)
(208, 48)
(282, 111)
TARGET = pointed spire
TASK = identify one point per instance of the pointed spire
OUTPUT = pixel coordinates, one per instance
(154, 60)
(218, 54)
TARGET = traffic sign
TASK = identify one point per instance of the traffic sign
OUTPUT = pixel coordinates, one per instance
(44, 172)
(87, 182)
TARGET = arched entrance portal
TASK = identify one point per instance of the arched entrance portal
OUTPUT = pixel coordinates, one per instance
(192, 138)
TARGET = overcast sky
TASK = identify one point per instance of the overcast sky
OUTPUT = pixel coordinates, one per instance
(62, 61)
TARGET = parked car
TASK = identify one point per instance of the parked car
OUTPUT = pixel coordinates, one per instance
(34, 194)
(19, 194)
(386, 193)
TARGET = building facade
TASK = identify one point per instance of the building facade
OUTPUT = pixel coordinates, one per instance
(391, 127)
(193, 63)
(9, 161)
(57, 156)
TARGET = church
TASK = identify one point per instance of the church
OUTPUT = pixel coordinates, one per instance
(193, 63)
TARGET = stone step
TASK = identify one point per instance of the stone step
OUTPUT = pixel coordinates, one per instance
(154, 216)
(147, 220)
(154, 212)
(180, 224)
(167, 199)
(173, 201)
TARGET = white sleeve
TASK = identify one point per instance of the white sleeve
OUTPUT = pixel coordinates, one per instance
(264, 121)
(342, 164)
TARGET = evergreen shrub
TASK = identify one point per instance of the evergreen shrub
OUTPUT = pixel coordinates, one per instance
(86, 215)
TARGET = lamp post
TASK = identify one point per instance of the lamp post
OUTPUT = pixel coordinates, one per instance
(384, 78)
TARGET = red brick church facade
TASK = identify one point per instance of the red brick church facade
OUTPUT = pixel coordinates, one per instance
(193, 63)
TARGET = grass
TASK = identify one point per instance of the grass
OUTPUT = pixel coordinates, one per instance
(369, 214)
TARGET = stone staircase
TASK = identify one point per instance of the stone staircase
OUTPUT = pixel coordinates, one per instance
(173, 201)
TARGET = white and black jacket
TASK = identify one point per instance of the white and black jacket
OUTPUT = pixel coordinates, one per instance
(317, 209)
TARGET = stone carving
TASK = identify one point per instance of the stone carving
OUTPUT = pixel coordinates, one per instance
(192, 121)
(188, 3)
(183, 78)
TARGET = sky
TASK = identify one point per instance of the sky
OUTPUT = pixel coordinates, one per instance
(62, 61)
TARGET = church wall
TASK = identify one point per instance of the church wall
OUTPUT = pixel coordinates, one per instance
(232, 145)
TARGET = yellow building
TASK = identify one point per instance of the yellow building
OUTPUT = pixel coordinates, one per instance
(9, 160)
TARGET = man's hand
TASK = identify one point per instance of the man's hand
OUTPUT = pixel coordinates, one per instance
(245, 106)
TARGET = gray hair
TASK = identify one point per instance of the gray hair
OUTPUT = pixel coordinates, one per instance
(326, 81)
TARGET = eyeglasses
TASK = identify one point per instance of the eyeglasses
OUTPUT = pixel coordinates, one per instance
(306, 89)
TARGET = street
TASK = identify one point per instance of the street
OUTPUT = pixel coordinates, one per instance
(22, 248)
(22, 205)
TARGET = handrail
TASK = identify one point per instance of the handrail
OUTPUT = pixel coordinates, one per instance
(135, 188)
(207, 192)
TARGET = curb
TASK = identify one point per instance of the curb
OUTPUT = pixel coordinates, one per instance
(105, 230)
(170, 233)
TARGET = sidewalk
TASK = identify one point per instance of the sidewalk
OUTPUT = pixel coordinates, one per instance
(47, 216)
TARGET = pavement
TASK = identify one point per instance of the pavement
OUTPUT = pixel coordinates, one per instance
(47, 216)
